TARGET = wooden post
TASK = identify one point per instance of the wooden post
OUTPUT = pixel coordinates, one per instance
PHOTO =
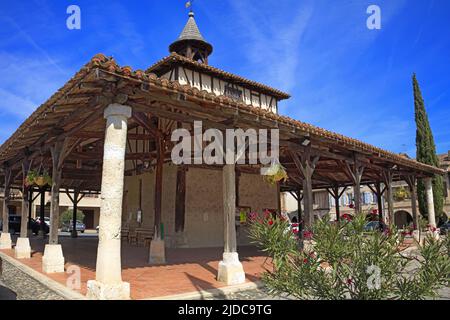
(56, 151)
(237, 179)
(306, 164)
(5, 213)
(180, 200)
(356, 171)
(411, 180)
(74, 233)
(42, 212)
(334, 192)
(25, 200)
(158, 187)
(379, 193)
(30, 207)
(278, 198)
(5, 237)
(387, 177)
(75, 200)
(299, 208)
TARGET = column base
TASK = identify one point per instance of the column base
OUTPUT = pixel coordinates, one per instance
(435, 234)
(101, 291)
(231, 271)
(157, 252)
(53, 259)
(417, 238)
(22, 249)
(5, 241)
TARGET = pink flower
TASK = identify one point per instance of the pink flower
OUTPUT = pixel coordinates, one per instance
(307, 234)
(270, 222)
(347, 217)
(349, 281)
(253, 216)
(295, 231)
(305, 260)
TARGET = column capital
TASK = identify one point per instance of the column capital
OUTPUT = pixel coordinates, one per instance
(119, 110)
(428, 180)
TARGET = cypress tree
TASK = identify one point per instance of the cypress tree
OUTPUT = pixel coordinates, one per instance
(426, 153)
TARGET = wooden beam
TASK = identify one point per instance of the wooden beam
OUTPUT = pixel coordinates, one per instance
(158, 187)
(180, 199)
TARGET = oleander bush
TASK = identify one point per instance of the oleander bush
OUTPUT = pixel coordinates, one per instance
(344, 261)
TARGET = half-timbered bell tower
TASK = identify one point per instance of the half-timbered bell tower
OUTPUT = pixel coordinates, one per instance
(191, 43)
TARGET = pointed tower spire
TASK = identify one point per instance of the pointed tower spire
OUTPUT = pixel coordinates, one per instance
(191, 43)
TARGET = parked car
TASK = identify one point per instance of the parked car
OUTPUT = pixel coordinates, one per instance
(68, 226)
(444, 228)
(375, 225)
(46, 219)
(15, 223)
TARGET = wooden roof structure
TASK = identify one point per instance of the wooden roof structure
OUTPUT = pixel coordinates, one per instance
(75, 113)
(166, 64)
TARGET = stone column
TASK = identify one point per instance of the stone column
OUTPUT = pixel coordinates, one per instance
(5, 237)
(23, 249)
(430, 202)
(108, 283)
(53, 258)
(230, 268)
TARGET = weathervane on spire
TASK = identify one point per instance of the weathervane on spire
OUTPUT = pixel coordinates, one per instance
(189, 5)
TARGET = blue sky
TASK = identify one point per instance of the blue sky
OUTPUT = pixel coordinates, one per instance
(341, 75)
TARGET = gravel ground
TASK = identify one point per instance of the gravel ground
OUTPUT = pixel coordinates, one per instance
(254, 294)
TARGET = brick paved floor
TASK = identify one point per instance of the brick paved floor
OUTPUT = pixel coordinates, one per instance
(187, 270)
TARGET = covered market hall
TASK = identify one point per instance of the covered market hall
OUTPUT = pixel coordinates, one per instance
(108, 130)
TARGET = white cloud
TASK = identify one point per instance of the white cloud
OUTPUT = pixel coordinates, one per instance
(25, 84)
(271, 42)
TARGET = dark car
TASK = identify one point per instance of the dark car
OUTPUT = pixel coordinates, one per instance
(375, 225)
(15, 222)
(444, 228)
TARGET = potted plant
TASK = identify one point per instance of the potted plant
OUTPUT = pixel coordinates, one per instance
(29, 179)
(38, 179)
(275, 173)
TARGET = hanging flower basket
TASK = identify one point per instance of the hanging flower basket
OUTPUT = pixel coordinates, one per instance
(275, 174)
(38, 179)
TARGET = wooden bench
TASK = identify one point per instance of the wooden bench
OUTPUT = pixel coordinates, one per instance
(125, 234)
(144, 237)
